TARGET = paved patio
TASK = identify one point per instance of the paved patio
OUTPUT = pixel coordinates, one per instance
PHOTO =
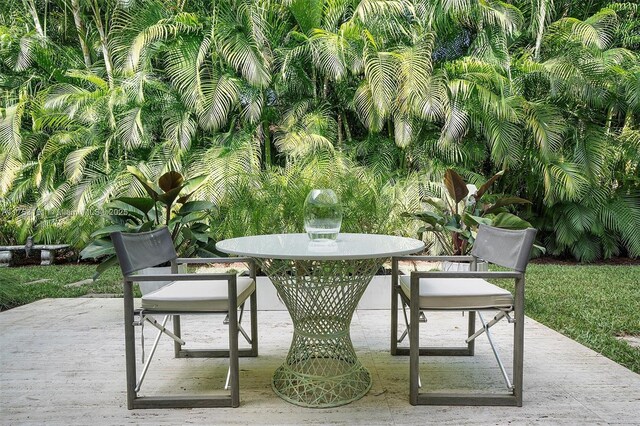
(63, 363)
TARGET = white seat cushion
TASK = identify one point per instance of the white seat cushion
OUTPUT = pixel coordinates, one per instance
(196, 296)
(458, 293)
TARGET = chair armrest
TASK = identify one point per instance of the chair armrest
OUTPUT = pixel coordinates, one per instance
(468, 274)
(435, 258)
(179, 277)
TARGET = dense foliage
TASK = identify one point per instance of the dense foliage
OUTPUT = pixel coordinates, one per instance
(376, 98)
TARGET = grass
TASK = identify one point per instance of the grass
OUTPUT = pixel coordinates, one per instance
(593, 305)
(17, 287)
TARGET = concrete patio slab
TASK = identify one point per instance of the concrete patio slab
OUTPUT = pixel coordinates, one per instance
(63, 363)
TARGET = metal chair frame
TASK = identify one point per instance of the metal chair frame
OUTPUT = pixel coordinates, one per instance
(135, 401)
(513, 397)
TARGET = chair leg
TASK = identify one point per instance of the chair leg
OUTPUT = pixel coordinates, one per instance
(394, 308)
(471, 345)
(254, 323)
(130, 348)
(414, 342)
(512, 398)
(177, 347)
(233, 344)
(518, 341)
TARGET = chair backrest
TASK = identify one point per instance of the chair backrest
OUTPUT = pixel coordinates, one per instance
(143, 250)
(504, 247)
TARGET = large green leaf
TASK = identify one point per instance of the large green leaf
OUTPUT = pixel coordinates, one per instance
(117, 208)
(198, 236)
(196, 206)
(510, 221)
(140, 203)
(431, 218)
(170, 196)
(474, 221)
(456, 187)
(457, 230)
(308, 13)
(191, 186)
(192, 217)
(108, 263)
(97, 248)
(149, 186)
(170, 181)
(107, 230)
(435, 202)
(488, 184)
(146, 226)
(507, 201)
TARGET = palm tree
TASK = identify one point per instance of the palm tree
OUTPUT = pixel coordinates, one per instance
(247, 90)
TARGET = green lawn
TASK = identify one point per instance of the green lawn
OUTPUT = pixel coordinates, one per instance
(15, 289)
(591, 304)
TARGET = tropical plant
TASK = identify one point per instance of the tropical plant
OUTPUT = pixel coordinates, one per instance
(167, 204)
(272, 200)
(452, 219)
(245, 91)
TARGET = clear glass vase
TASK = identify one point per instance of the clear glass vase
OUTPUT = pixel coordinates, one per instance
(322, 215)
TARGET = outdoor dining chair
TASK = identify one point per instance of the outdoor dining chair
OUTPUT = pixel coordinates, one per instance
(465, 291)
(193, 294)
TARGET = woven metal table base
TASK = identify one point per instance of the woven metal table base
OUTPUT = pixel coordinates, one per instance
(321, 369)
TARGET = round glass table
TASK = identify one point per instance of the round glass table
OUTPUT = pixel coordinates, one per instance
(321, 284)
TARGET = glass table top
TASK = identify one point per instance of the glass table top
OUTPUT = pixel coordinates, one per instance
(299, 246)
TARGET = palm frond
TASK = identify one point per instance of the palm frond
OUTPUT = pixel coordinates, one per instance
(240, 50)
(596, 31)
(563, 181)
(220, 95)
(592, 153)
(371, 9)
(75, 162)
(330, 52)
(546, 124)
(129, 128)
(381, 69)
(366, 109)
(415, 67)
(180, 130)
(10, 123)
(9, 169)
(503, 15)
(404, 129)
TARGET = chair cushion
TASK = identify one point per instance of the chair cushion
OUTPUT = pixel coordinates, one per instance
(458, 293)
(196, 296)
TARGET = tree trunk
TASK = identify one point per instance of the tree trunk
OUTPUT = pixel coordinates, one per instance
(347, 132)
(108, 64)
(628, 120)
(267, 145)
(314, 83)
(609, 120)
(542, 15)
(339, 130)
(31, 7)
(75, 8)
